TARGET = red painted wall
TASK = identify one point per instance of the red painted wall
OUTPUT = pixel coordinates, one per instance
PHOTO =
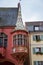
(8, 51)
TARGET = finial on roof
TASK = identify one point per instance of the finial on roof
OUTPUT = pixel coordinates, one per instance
(19, 3)
(19, 0)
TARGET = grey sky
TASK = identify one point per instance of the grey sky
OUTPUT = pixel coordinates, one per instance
(32, 10)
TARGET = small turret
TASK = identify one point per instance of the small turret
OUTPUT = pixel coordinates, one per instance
(20, 35)
(19, 23)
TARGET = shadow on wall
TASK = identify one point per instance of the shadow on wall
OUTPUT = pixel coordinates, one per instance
(6, 63)
(26, 62)
(1, 57)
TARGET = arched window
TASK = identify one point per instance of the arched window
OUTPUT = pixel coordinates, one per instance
(3, 40)
(20, 40)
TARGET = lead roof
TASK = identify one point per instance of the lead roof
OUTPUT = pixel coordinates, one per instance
(8, 16)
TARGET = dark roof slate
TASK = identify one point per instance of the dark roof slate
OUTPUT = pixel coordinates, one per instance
(34, 23)
(8, 16)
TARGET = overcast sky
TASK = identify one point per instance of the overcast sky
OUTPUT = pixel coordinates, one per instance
(32, 10)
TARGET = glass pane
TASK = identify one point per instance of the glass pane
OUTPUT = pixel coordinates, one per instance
(23, 41)
(22, 36)
(37, 37)
(1, 34)
(35, 62)
(16, 37)
(1, 41)
(39, 62)
(5, 36)
(30, 28)
(36, 28)
(16, 41)
(19, 41)
(36, 49)
(19, 36)
(5, 42)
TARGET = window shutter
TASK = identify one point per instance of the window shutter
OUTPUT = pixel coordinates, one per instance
(34, 38)
(5, 42)
(41, 37)
(1, 41)
(35, 62)
(42, 49)
(33, 50)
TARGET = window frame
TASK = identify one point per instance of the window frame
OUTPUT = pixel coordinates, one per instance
(37, 50)
(38, 62)
(36, 38)
(22, 39)
(37, 28)
(4, 36)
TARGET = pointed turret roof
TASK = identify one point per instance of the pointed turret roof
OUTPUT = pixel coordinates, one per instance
(19, 23)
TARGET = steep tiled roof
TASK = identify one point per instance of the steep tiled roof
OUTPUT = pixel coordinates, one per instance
(8, 16)
(19, 23)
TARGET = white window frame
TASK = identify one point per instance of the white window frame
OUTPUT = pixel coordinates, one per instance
(36, 28)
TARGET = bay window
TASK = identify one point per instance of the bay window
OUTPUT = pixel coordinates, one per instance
(20, 39)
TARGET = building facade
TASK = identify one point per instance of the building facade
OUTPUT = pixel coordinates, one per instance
(13, 37)
(20, 45)
(35, 30)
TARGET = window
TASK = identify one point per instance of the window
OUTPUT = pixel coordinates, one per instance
(41, 37)
(36, 38)
(36, 28)
(3, 40)
(38, 62)
(20, 40)
(38, 50)
(25, 40)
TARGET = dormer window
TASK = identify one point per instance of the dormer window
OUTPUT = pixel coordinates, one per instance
(36, 28)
